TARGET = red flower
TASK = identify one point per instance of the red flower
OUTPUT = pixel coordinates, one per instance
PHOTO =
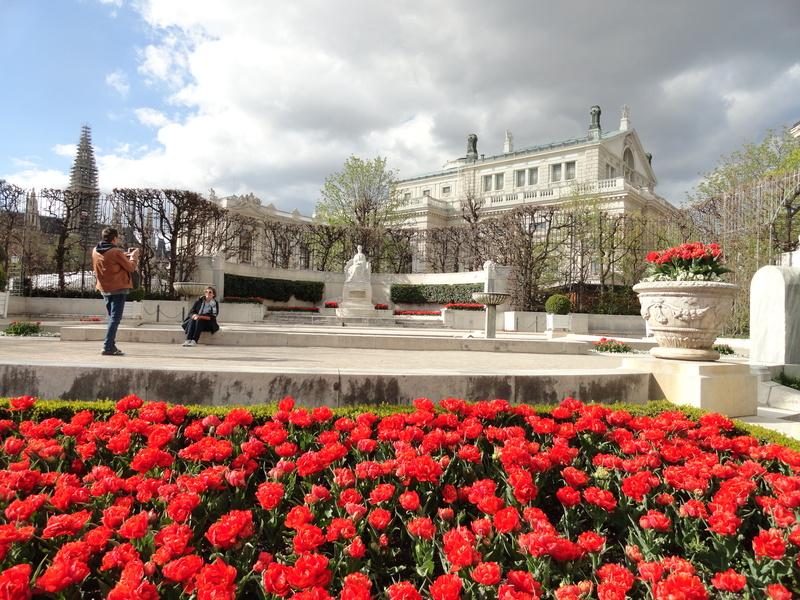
(216, 581)
(591, 541)
(446, 587)
(269, 495)
(15, 582)
(231, 529)
(409, 500)
(181, 506)
(308, 538)
(357, 586)
(135, 527)
(422, 527)
(459, 547)
(297, 516)
(403, 590)
(729, 581)
(68, 524)
(506, 520)
(568, 496)
(61, 574)
(21, 403)
(486, 573)
(379, 518)
(776, 591)
(681, 585)
(656, 520)
(769, 544)
(602, 498)
(276, 579)
(724, 523)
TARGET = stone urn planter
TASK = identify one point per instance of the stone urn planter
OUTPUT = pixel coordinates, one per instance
(685, 316)
(189, 289)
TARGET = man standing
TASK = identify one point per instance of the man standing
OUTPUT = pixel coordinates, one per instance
(113, 269)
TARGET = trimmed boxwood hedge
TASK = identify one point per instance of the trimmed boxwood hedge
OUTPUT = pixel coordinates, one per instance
(409, 293)
(64, 409)
(279, 290)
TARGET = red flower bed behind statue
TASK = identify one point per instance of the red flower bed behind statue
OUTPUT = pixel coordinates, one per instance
(486, 500)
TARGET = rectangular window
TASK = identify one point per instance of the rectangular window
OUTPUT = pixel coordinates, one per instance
(498, 181)
(445, 190)
(533, 176)
(519, 178)
(555, 172)
(426, 193)
(569, 170)
(611, 172)
(487, 183)
(406, 196)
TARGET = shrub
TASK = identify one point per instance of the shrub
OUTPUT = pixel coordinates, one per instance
(419, 313)
(464, 306)
(23, 328)
(558, 304)
(278, 290)
(312, 309)
(409, 293)
(331, 304)
(611, 345)
(723, 349)
(381, 307)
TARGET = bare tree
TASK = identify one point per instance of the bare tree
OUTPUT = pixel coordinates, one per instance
(12, 219)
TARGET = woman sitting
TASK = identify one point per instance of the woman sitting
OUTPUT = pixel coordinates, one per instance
(202, 317)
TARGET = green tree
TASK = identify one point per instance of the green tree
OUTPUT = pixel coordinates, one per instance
(362, 194)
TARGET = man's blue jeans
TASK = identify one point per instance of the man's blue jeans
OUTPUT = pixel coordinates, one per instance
(115, 304)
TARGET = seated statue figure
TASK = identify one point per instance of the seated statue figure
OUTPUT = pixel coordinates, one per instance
(357, 268)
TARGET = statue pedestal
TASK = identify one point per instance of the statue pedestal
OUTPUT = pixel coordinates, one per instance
(727, 388)
(357, 301)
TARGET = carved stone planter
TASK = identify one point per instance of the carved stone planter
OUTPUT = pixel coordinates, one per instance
(685, 316)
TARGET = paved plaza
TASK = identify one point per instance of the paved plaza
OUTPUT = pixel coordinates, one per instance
(236, 374)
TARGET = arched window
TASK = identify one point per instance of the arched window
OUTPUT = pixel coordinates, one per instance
(627, 162)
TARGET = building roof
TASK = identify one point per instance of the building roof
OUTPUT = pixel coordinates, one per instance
(524, 151)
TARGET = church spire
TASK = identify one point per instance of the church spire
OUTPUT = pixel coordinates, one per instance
(83, 176)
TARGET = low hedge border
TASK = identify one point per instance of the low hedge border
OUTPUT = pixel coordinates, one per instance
(409, 293)
(65, 409)
(279, 290)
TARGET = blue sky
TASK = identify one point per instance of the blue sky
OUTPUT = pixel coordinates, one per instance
(271, 97)
(59, 57)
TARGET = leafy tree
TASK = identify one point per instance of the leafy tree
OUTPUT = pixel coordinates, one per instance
(362, 194)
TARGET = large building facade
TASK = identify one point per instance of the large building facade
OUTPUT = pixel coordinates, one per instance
(611, 167)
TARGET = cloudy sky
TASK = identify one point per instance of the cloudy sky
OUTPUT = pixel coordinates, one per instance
(270, 97)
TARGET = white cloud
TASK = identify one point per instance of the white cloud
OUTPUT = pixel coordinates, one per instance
(38, 178)
(119, 82)
(151, 117)
(68, 150)
(117, 3)
(271, 98)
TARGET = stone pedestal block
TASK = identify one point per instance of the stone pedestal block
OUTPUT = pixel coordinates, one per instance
(775, 316)
(727, 388)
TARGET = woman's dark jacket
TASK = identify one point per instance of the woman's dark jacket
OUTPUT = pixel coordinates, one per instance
(212, 326)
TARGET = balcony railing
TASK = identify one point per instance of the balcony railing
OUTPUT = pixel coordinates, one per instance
(539, 193)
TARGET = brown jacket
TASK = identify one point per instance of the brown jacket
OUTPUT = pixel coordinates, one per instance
(112, 268)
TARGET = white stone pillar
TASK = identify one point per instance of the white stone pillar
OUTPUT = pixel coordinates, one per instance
(775, 316)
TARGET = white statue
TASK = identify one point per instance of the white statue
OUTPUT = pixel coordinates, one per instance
(357, 268)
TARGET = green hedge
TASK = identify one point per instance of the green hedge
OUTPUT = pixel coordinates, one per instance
(409, 293)
(64, 409)
(279, 290)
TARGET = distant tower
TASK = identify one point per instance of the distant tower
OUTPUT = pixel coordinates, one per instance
(83, 179)
(31, 210)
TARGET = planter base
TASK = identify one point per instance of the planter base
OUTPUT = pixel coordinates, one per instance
(684, 353)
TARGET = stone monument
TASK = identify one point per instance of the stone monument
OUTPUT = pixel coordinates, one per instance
(775, 314)
(357, 289)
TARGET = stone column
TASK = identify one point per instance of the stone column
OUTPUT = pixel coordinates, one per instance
(775, 316)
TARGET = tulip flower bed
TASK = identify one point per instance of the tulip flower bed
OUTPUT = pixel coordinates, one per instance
(478, 501)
